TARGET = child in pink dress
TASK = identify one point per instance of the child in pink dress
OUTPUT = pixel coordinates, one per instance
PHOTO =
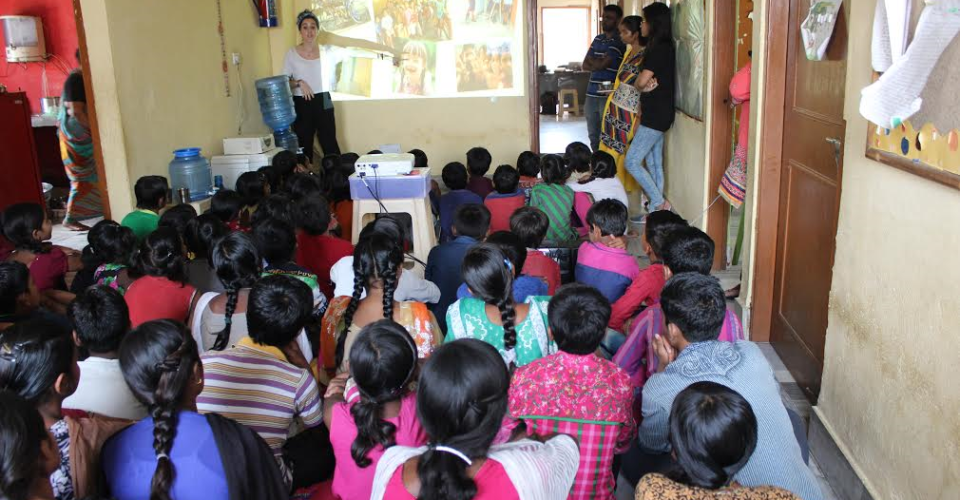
(378, 412)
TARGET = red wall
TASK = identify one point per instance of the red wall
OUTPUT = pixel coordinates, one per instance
(60, 33)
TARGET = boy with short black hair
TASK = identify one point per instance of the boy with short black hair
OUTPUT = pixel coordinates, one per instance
(506, 198)
(530, 224)
(277, 243)
(317, 249)
(577, 392)
(268, 363)
(645, 289)
(100, 320)
(151, 193)
(454, 175)
(478, 163)
(471, 223)
(603, 262)
(688, 351)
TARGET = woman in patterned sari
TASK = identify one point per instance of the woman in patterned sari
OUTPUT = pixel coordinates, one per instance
(622, 112)
(76, 149)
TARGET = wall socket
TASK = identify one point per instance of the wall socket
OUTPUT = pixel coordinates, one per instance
(236, 58)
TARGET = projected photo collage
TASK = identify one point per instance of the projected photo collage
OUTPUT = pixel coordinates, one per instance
(449, 48)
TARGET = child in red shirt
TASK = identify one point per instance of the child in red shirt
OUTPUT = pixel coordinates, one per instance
(317, 249)
(160, 290)
(530, 225)
(506, 198)
(647, 285)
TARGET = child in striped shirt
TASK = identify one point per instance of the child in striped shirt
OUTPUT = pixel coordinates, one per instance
(555, 198)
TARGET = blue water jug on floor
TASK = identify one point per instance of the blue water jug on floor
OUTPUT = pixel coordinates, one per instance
(190, 170)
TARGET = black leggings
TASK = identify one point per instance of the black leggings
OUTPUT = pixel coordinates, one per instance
(313, 120)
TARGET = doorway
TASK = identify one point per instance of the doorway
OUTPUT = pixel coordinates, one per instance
(798, 193)
(565, 30)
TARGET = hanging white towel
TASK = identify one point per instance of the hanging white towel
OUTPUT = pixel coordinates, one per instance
(895, 97)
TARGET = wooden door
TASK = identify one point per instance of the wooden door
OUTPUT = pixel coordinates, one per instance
(813, 127)
(18, 156)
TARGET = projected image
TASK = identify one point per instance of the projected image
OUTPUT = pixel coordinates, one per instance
(415, 74)
(486, 18)
(337, 15)
(412, 19)
(355, 76)
(484, 67)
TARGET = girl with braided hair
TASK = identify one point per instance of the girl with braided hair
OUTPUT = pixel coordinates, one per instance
(161, 365)
(377, 265)
(461, 403)
(518, 331)
(381, 412)
(223, 316)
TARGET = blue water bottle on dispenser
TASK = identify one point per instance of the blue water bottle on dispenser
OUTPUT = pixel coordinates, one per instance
(276, 106)
(190, 170)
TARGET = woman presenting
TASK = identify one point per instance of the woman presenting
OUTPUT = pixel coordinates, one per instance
(76, 150)
(311, 89)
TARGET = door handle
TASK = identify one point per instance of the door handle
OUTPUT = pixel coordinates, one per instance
(837, 148)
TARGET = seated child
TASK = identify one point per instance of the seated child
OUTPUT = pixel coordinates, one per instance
(603, 262)
(151, 193)
(177, 217)
(478, 163)
(160, 289)
(270, 363)
(114, 246)
(317, 249)
(226, 205)
(530, 225)
(455, 177)
(270, 177)
(575, 391)
(528, 164)
(601, 182)
(277, 242)
(252, 189)
(100, 321)
(506, 199)
(471, 223)
(284, 164)
(27, 446)
(27, 227)
(201, 235)
(556, 200)
(299, 186)
(276, 206)
(381, 413)
(19, 297)
(645, 289)
(517, 329)
(516, 253)
(577, 158)
(685, 250)
(341, 204)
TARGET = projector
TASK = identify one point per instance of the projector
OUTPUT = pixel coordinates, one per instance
(385, 164)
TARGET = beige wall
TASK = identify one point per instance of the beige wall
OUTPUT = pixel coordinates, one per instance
(889, 393)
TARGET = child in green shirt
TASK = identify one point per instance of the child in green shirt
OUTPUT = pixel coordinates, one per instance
(151, 193)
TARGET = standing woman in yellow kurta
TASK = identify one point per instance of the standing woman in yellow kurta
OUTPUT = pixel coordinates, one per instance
(622, 112)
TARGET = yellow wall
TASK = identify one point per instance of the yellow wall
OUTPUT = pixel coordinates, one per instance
(684, 157)
(889, 392)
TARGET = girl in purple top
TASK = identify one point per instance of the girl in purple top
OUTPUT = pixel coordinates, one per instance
(380, 413)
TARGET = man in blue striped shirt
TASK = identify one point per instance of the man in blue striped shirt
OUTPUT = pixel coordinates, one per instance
(688, 351)
(603, 61)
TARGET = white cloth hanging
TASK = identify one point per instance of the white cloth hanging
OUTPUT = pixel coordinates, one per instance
(895, 97)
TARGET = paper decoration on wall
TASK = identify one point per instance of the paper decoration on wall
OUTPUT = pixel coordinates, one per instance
(896, 95)
(689, 28)
(891, 28)
(927, 145)
(817, 28)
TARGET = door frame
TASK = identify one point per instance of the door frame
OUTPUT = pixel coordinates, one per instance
(533, 48)
(92, 109)
(768, 160)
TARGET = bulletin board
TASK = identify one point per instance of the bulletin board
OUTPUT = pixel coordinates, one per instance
(928, 143)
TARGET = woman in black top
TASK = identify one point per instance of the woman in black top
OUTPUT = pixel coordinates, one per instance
(657, 82)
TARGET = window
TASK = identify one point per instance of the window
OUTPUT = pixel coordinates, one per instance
(566, 35)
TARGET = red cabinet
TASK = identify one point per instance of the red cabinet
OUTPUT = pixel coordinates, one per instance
(19, 170)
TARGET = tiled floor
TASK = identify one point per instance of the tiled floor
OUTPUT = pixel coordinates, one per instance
(556, 134)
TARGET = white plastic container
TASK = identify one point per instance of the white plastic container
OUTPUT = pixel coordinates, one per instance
(231, 167)
(248, 145)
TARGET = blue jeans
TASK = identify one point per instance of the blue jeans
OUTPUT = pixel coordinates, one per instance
(593, 110)
(647, 146)
(611, 343)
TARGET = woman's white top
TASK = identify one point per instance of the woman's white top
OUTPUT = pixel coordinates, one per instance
(318, 73)
(602, 189)
(539, 471)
